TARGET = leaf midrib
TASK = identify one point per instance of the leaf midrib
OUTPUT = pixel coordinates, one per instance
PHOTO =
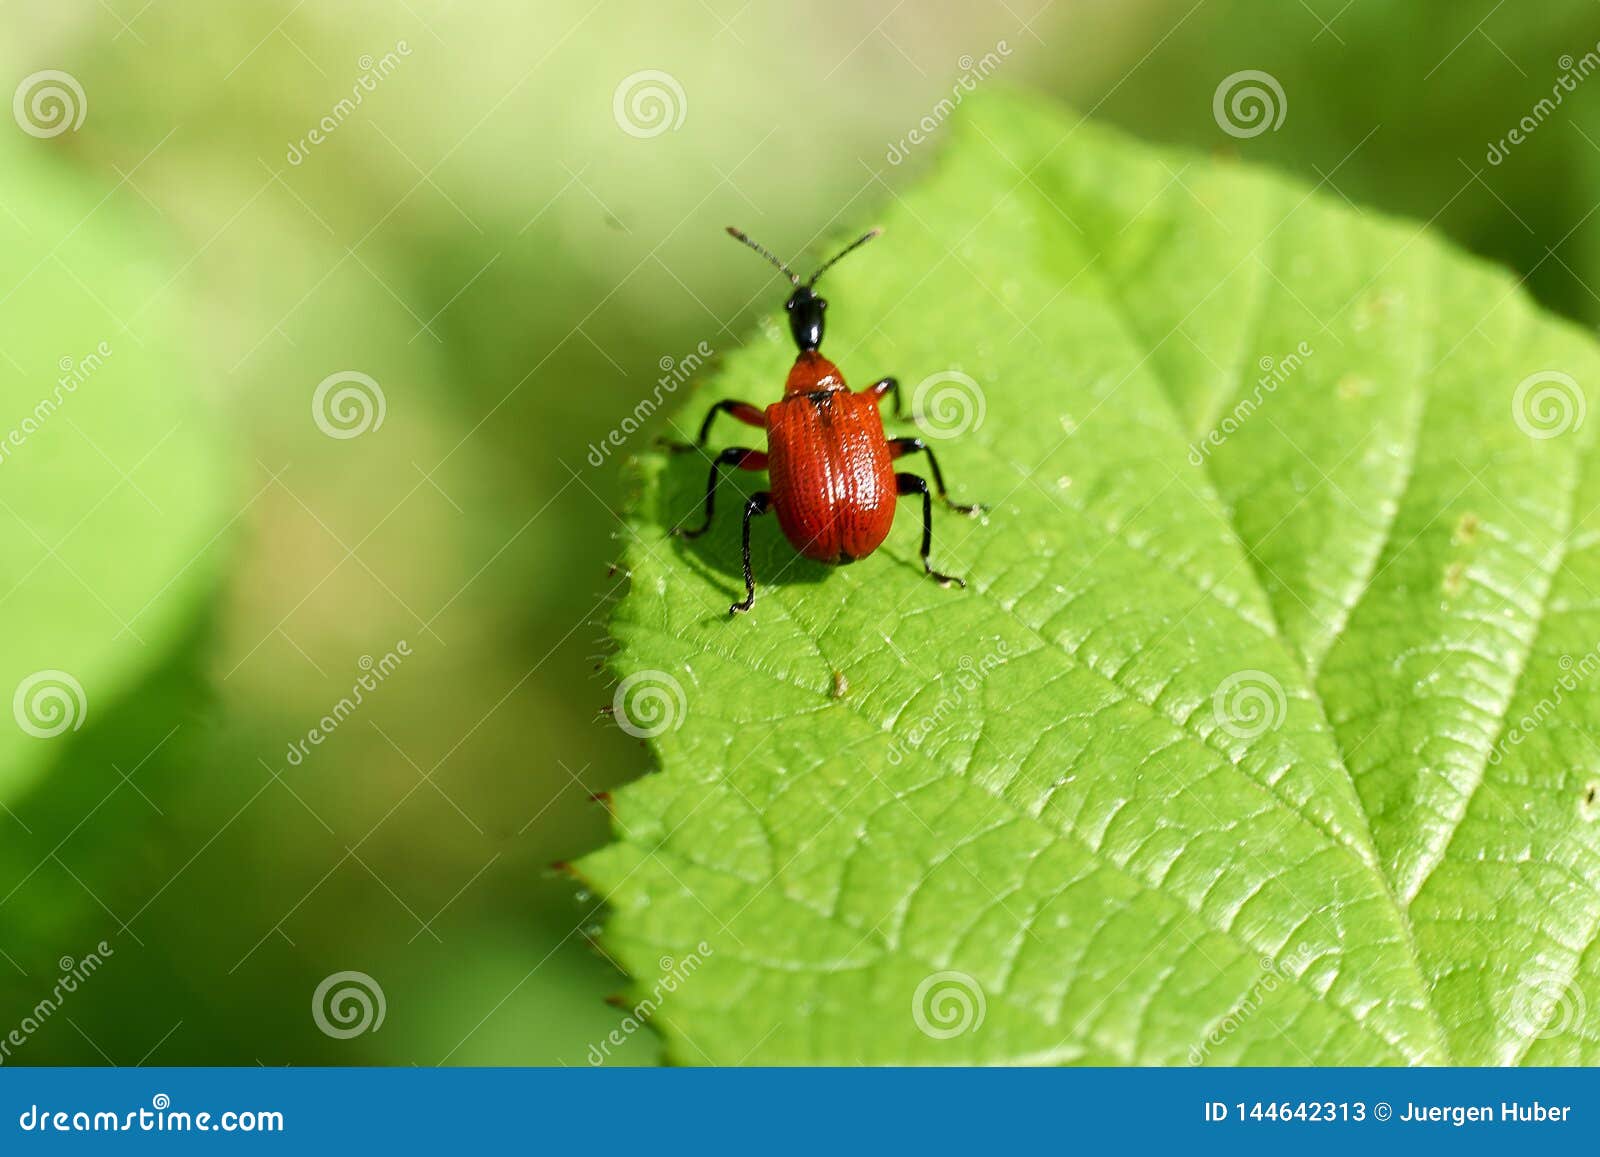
(875, 735)
(1416, 447)
(1128, 318)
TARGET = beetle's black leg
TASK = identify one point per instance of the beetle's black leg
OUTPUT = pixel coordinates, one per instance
(740, 456)
(899, 447)
(759, 503)
(889, 386)
(743, 411)
(916, 484)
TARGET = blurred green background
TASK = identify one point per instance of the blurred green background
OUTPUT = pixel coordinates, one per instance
(484, 238)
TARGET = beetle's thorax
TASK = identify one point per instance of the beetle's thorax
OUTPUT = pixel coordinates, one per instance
(812, 373)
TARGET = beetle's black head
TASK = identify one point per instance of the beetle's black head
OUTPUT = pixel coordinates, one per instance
(805, 307)
(805, 318)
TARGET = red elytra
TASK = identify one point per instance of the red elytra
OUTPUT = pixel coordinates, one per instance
(834, 486)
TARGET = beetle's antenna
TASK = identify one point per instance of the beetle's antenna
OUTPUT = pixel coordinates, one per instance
(739, 235)
(850, 248)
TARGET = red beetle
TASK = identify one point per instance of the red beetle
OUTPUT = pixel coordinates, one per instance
(833, 485)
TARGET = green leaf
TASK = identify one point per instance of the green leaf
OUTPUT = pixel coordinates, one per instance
(112, 476)
(1277, 746)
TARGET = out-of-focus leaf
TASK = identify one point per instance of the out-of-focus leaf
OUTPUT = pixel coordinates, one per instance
(113, 483)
